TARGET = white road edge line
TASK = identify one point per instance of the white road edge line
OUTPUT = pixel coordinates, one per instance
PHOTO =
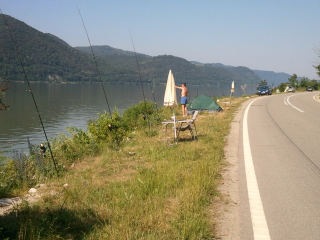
(259, 222)
(293, 105)
(284, 100)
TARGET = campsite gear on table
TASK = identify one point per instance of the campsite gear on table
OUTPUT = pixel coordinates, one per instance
(170, 98)
(203, 103)
(190, 125)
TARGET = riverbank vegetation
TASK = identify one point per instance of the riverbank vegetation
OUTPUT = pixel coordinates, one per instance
(121, 179)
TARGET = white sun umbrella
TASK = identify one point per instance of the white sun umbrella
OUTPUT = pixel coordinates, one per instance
(170, 98)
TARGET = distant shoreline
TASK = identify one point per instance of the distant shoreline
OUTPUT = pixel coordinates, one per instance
(107, 83)
(110, 83)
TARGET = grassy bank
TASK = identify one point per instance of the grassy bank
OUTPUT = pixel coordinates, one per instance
(139, 188)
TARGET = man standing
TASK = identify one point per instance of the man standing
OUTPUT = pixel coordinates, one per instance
(184, 98)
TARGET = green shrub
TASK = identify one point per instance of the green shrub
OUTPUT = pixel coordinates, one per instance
(140, 115)
(282, 87)
(8, 179)
(41, 162)
(68, 149)
(111, 130)
(24, 170)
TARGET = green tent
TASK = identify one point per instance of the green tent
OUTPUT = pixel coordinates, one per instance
(204, 103)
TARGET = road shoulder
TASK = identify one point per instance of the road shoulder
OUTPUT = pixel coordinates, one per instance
(227, 213)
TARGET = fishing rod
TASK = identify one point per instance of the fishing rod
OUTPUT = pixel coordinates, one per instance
(189, 96)
(95, 61)
(30, 90)
(222, 89)
(239, 90)
(212, 91)
(154, 98)
(145, 103)
(209, 91)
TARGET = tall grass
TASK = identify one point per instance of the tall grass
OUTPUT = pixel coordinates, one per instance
(145, 189)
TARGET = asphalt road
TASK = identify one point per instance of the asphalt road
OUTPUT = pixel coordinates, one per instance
(284, 137)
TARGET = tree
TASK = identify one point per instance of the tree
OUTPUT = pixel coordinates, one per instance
(315, 84)
(304, 82)
(262, 83)
(293, 80)
(282, 87)
(317, 51)
(318, 68)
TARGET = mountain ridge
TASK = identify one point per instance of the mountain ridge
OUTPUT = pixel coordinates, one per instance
(49, 58)
(272, 77)
(101, 50)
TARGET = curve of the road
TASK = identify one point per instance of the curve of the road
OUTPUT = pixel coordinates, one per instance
(283, 136)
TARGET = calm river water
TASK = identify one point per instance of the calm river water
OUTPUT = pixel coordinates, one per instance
(63, 105)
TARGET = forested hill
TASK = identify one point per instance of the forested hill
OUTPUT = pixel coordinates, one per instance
(157, 68)
(44, 56)
(273, 78)
(49, 58)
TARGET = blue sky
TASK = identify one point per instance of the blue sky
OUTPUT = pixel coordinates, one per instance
(269, 35)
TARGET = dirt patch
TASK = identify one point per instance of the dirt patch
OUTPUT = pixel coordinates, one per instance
(171, 206)
(7, 204)
(29, 197)
(226, 207)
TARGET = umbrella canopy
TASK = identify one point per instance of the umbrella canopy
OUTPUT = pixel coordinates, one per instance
(170, 96)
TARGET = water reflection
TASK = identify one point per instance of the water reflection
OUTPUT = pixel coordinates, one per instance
(63, 105)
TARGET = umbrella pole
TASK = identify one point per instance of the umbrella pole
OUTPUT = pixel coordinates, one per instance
(174, 123)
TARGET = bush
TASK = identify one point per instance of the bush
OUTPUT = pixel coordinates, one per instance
(8, 179)
(24, 170)
(282, 87)
(67, 149)
(111, 130)
(41, 162)
(140, 115)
